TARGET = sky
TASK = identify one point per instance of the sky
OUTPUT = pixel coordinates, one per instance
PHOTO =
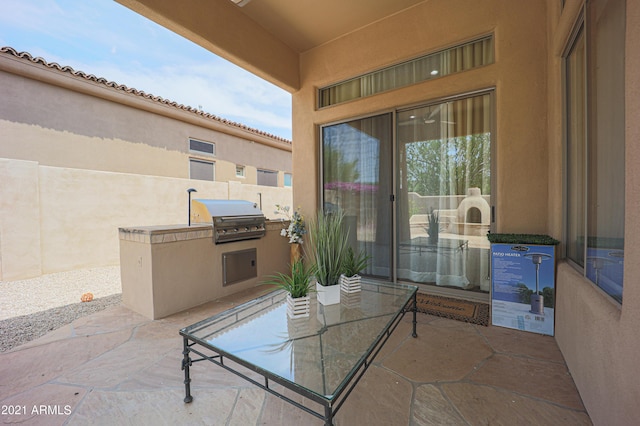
(104, 38)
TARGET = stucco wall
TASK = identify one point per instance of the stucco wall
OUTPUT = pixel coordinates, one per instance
(169, 269)
(56, 219)
(62, 120)
(518, 75)
(599, 338)
(19, 218)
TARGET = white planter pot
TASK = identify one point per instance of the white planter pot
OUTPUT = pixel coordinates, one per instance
(297, 307)
(350, 284)
(329, 295)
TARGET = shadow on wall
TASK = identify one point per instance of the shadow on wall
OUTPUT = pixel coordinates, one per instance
(58, 219)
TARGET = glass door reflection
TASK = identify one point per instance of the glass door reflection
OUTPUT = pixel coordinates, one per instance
(444, 194)
(357, 180)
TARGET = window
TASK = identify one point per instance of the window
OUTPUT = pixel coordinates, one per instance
(201, 170)
(202, 148)
(267, 177)
(288, 179)
(459, 58)
(575, 65)
(595, 145)
(239, 171)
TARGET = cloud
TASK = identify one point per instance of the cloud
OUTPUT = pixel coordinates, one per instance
(217, 87)
(108, 40)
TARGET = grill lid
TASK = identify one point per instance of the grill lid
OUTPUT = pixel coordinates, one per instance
(233, 220)
(204, 210)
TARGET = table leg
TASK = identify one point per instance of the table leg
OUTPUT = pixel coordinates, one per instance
(328, 415)
(186, 363)
(415, 312)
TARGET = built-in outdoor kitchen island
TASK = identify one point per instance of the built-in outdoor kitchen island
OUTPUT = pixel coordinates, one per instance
(169, 269)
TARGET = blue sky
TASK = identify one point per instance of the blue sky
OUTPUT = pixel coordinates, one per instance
(104, 38)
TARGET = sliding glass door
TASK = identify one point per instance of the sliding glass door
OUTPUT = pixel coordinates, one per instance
(437, 191)
(444, 194)
(357, 180)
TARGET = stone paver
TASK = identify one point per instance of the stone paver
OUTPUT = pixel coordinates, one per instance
(541, 379)
(440, 354)
(117, 367)
(382, 397)
(504, 340)
(430, 407)
(486, 405)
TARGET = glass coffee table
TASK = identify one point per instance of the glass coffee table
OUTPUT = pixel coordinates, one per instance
(321, 357)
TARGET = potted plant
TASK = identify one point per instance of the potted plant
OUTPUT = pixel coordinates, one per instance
(298, 285)
(328, 245)
(353, 264)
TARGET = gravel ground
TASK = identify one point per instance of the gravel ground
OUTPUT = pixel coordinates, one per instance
(32, 308)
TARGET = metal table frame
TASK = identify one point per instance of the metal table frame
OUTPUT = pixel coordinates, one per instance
(331, 405)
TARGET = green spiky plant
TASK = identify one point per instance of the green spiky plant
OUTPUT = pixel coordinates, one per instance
(328, 246)
(354, 263)
(297, 283)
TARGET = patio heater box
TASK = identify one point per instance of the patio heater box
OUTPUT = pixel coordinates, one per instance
(523, 270)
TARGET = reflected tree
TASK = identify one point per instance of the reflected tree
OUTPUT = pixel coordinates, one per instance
(449, 166)
(337, 169)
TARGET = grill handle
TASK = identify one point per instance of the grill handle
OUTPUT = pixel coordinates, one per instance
(239, 219)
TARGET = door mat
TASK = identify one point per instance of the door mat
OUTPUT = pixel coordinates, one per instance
(456, 309)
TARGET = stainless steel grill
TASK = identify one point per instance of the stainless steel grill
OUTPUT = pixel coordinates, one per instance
(233, 220)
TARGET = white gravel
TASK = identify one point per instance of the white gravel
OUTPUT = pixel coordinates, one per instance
(31, 308)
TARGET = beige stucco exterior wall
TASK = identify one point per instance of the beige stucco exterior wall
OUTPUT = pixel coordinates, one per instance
(599, 338)
(518, 75)
(19, 211)
(56, 219)
(59, 119)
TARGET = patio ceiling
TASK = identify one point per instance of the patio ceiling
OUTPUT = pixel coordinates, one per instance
(303, 25)
(266, 37)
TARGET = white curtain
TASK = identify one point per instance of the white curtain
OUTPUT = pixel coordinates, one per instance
(356, 181)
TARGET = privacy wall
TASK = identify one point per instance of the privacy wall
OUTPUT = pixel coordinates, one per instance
(55, 219)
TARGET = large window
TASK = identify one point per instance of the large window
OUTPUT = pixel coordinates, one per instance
(575, 65)
(595, 179)
(435, 65)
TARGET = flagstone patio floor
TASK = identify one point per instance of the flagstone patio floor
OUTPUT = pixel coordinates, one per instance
(116, 367)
